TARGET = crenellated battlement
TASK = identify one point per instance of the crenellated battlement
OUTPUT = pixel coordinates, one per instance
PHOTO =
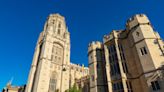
(94, 45)
(135, 17)
(112, 35)
(108, 37)
(52, 16)
(137, 20)
(78, 66)
(55, 19)
(55, 27)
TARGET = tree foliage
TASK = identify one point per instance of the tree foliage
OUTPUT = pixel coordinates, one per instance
(74, 89)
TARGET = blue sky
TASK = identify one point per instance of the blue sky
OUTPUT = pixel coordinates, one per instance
(21, 21)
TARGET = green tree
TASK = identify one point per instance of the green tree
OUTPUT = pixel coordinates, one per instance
(73, 89)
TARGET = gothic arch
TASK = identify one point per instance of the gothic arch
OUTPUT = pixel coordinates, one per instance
(58, 43)
(55, 43)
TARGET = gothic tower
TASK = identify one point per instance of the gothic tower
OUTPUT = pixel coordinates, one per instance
(98, 81)
(50, 67)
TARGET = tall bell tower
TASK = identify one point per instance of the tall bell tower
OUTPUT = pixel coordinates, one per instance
(50, 67)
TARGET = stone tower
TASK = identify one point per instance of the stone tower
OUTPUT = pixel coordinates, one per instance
(134, 57)
(149, 52)
(50, 67)
(98, 82)
(146, 41)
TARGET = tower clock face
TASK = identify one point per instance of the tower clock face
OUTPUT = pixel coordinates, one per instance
(57, 54)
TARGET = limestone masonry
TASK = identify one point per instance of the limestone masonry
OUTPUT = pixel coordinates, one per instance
(129, 60)
(51, 70)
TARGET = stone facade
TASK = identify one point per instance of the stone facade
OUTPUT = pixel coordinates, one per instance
(97, 71)
(83, 84)
(77, 72)
(129, 60)
(10, 88)
(51, 70)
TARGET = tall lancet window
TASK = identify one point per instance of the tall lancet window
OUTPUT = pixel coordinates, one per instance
(58, 31)
(53, 82)
(57, 54)
(59, 28)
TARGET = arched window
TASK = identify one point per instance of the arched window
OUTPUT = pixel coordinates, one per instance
(53, 82)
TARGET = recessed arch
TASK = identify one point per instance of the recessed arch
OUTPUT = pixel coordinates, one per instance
(58, 43)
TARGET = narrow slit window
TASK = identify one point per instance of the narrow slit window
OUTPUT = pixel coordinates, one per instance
(143, 51)
(155, 85)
